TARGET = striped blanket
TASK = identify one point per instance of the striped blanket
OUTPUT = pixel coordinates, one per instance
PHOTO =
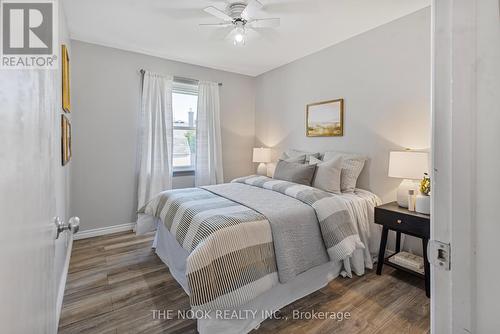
(232, 256)
(337, 228)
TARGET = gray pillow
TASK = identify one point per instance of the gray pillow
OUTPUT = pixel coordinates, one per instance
(300, 159)
(294, 172)
(292, 153)
(327, 175)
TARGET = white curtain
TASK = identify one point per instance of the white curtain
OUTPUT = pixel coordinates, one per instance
(155, 170)
(208, 136)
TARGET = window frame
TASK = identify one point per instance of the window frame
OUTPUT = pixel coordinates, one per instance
(185, 87)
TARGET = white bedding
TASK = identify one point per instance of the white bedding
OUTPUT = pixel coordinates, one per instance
(361, 205)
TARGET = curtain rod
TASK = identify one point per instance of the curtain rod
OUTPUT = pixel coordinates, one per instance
(142, 71)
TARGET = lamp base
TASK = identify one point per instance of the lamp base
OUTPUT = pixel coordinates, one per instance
(262, 169)
(403, 192)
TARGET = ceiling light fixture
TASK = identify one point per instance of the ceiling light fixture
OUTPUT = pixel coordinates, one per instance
(242, 17)
(239, 36)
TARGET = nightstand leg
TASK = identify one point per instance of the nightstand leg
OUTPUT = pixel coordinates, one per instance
(427, 269)
(398, 242)
(381, 251)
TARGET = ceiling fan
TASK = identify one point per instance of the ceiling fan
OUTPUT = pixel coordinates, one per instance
(241, 16)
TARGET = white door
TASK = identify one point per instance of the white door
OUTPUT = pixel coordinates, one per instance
(27, 201)
(453, 162)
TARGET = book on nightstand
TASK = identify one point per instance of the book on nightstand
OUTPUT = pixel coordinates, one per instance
(408, 260)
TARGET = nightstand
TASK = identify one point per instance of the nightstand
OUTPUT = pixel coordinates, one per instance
(393, 217)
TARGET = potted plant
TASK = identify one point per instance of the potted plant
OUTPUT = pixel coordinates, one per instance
(423, 201)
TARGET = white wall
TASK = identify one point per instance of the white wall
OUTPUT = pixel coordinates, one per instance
(487, 166)
(383, 76)
(106, 91)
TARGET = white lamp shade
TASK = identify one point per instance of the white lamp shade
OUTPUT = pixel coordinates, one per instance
(408, 164)
(261, 154)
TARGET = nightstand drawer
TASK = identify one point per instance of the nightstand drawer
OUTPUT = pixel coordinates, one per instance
(408, 224)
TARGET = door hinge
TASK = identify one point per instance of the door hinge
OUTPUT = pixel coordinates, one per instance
(439, 254)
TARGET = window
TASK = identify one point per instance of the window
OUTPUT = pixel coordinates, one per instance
(184, 106)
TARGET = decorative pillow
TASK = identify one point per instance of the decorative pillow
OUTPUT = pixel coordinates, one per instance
(292, 153)
(299, 159)
(294, 172)
(327, 175)
(352, 165)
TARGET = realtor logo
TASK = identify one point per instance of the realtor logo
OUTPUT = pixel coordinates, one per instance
(29, 34)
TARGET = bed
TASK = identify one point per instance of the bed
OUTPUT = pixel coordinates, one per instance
(252, 246)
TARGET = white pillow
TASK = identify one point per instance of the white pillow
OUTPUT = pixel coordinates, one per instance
(327, 175)
(352, 165)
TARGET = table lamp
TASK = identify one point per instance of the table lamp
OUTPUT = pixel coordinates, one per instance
(409, 166)
(263, 156)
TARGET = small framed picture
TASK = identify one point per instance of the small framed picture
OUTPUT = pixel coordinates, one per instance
(65, 79)
(325, 119)
(65, 140)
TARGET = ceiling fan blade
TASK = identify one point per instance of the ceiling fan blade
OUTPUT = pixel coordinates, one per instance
(266, 34)
(218, 34)
(265, 23)
(217, 25)
(218, 13)
(253, 34)
(251, 9)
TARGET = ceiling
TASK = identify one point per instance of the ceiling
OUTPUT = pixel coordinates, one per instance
(170, 28)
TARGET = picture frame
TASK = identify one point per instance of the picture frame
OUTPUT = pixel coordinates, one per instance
(65, 140)
(325, 119)
(66, 103)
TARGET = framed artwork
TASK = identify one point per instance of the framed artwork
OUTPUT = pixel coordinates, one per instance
(325, 119)
(65, 79)
(65, 140)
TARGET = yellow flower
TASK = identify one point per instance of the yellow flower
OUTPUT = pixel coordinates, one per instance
(425, 185)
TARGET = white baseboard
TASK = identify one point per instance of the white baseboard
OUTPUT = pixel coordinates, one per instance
(103, 231)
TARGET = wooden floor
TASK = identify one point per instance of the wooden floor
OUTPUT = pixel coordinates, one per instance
(115, 281)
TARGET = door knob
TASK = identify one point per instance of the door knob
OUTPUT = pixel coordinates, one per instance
(73, 225)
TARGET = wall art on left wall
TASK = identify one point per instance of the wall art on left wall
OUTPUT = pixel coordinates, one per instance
(65, 79)
(65, 140)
